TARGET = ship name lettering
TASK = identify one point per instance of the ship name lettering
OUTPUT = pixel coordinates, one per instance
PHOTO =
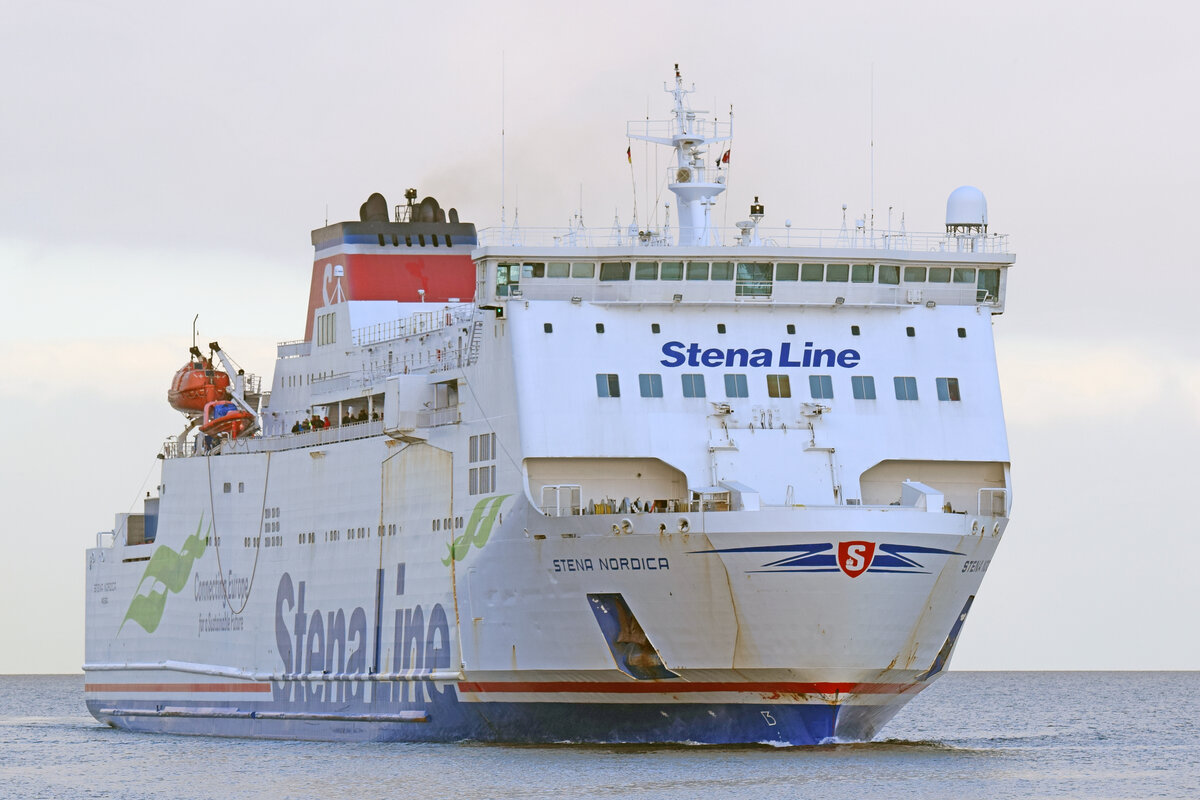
(976, 566)
(693, 354)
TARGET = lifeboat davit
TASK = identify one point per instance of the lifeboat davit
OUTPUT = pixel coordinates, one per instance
(197, 384)
(221, 417)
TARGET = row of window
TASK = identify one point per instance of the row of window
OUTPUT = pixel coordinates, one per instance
(820, 387)
(483, 447)
(482, 480)
(752, 277)
(909, 331)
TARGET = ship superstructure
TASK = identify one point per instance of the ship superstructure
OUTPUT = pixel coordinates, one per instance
(531, 485)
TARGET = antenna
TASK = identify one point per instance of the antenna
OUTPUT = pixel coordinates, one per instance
(502, 60)
(872, 151)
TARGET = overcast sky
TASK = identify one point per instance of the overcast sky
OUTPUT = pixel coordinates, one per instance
(160, 161)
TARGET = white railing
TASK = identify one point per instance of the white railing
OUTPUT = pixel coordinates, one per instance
(299, 347)
(416, 324)
(854, 239)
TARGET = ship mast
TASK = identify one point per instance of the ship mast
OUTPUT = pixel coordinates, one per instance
(695, 184)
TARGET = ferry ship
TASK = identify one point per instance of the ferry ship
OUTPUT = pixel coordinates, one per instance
(654, 484)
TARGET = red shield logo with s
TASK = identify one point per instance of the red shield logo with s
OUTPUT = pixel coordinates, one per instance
(855, 557)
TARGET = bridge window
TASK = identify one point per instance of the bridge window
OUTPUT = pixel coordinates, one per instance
(779, 386)
(722, 271)
(671, 271)
(697, 270)
(583, 269)
(964, 274)
(533, 270)
(889, 274)
(753, 280)
(863, 387)
(558, 269)
(607, 385)
(906, 388)
(646, 271)
(651, 385)
(939, 274)
(987, 288)
(947, 389)
(736, 386)
(914, 274)
(862, 273)
(820, 387)
(812, 272)
(693, 385)
(787, 272)
(614, 271)
(837, 273)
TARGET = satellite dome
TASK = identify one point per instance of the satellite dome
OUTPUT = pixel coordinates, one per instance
(966, 208)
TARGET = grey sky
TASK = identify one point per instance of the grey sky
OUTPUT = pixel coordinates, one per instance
(162, 161)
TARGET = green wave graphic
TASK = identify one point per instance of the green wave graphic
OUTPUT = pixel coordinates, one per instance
(479, 528)
(172, 570)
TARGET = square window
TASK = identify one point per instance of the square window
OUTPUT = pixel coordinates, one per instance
(962, 333)
(582, 269)
(671, 271)
(646, 271)
(863, 387)
(607, 385)
(736, 386)
(939, 274)
(889, 274)
(547, 327)
(558, 269)
(914, 274)
(779, 386)
(720, 327)
(863, 273)
(697, 270)
(837, 273)
(812, 272)
(655, 327)
(910, 331)
(693, 385)
(906, 388)
(820, 387)
(614, 271)
(787, 272)
(753, 280)
(599, 327)
(791, 328)
(651, 385)
(947, 389)
(722, 271)
(964, 274)
(854, 331)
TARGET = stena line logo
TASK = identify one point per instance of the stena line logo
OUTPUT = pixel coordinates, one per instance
(693, 354)
(855, 557)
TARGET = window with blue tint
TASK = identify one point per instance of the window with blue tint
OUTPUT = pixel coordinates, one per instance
(736, 386)
(779, 386)
(947, 389)
(863, 387)
(651, 385)
(693, 385)
(906, 388)
(607, 385)
(820, 387)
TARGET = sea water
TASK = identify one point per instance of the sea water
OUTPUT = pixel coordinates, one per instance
(971, 735)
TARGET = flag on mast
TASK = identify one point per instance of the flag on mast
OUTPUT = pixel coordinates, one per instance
(629, 154)
(724, 159)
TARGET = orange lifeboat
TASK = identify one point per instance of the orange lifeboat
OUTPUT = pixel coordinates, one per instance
(196, 384)
(222, 417)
